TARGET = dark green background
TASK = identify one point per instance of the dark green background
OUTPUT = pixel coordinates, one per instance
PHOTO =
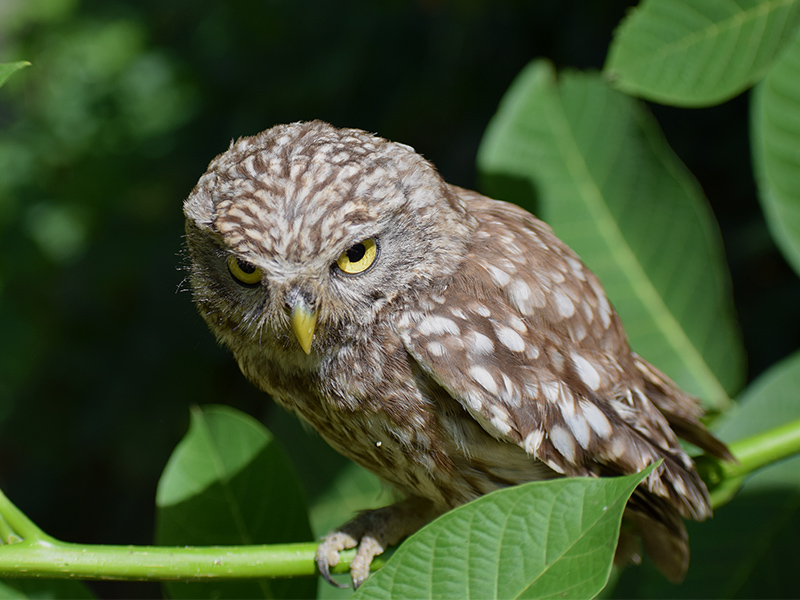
(101, 354)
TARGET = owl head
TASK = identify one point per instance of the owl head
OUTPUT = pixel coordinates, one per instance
(300, 235)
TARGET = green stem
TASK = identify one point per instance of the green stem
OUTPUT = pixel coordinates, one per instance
(61, 560)
(26, 551)
(753, 453)
(758, 451)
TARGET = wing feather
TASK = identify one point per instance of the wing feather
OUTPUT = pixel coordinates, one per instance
(524, 338)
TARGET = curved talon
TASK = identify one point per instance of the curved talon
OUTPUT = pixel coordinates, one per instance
(371, 532)
(325, 571)
(327, 555)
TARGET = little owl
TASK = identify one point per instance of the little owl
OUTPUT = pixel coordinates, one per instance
(447, 342)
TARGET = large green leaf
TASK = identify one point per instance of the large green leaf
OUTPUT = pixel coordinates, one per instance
(7, 69)
(776, 151)
(751, 544)
(699, 52)
(546, 539)
(229, 482)
(610, 186)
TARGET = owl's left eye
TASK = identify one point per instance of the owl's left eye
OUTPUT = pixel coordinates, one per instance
(358, 257)
(244, 272)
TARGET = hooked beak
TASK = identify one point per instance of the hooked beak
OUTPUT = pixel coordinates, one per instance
(304, 320)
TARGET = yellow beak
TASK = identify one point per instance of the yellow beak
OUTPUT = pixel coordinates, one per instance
(303, 323)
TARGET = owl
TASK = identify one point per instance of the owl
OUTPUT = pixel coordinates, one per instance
(447, 342)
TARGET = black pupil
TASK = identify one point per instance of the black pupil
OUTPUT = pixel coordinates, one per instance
(356, 253)
(246, 267)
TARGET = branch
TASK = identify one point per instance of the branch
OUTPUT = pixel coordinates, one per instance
(26, 551)
(753, 454)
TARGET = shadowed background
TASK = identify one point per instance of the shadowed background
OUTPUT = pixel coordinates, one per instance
(103, 137)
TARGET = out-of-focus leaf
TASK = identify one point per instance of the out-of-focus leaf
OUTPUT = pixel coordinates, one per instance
(355, 489)
(776, 151)
(750, 545)
(604, 178)
(699, 52)
(228, 482)
(547, 539)
(336, 487)
(40, 589)
(7, 69)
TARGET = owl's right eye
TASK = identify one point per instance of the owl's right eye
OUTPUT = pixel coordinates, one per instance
(359, 257)
(243, 272)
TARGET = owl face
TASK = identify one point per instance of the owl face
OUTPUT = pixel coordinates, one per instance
(300, 236)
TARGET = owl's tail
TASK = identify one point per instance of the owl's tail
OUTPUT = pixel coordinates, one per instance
(652, 522)
(681, 410)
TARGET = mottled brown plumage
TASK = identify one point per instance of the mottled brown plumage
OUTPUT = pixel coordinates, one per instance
(448, 342)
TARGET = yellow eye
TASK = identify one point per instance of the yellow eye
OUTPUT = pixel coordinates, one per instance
(358, 257)
(243, 271)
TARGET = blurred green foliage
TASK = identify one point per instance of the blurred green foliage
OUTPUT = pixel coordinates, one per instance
(101, 354)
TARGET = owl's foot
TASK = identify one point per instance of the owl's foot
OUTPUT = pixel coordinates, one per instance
(372, 531)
